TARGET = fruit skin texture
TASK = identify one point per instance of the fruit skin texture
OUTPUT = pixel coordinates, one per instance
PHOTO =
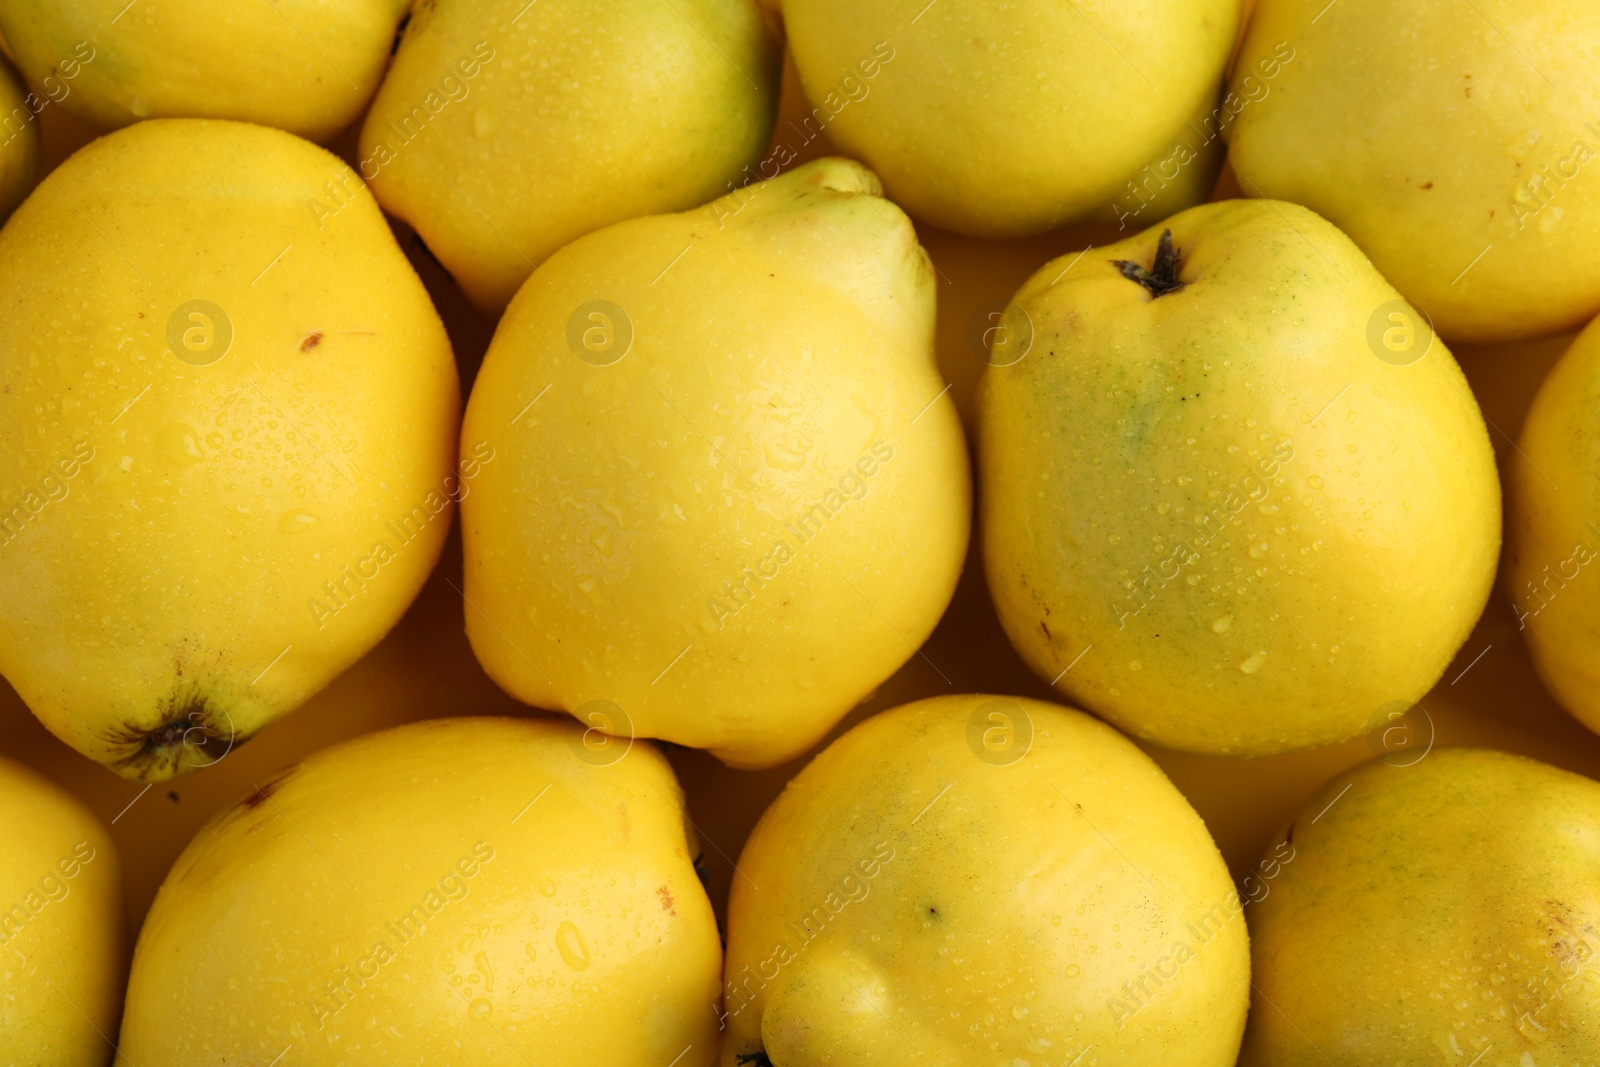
(1265, 532)
(1429, 154)
(1182, 174)
(170, 531)
(562, 919)
(780, 390)
(504, 131)
(19, 140)
(304, 66)
(62, 929)
(1433, 911)
(922, 103)
(1549, 576)
(983, 904)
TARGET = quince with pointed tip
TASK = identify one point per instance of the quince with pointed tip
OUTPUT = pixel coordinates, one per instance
(732, 496)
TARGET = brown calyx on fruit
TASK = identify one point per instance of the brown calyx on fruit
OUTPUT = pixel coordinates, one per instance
(1162, 277)
(189, 738)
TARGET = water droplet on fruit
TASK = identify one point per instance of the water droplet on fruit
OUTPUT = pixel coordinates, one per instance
(1222, 625)
(296, 520)
(485, 121)
(569, 942)
(179, 444)
(1253, 664)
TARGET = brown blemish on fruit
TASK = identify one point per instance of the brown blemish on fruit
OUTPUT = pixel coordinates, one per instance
(312, 341)
(264, 791)
(666, 899)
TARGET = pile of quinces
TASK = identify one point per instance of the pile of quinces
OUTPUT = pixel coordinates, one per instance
(1234, 496)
